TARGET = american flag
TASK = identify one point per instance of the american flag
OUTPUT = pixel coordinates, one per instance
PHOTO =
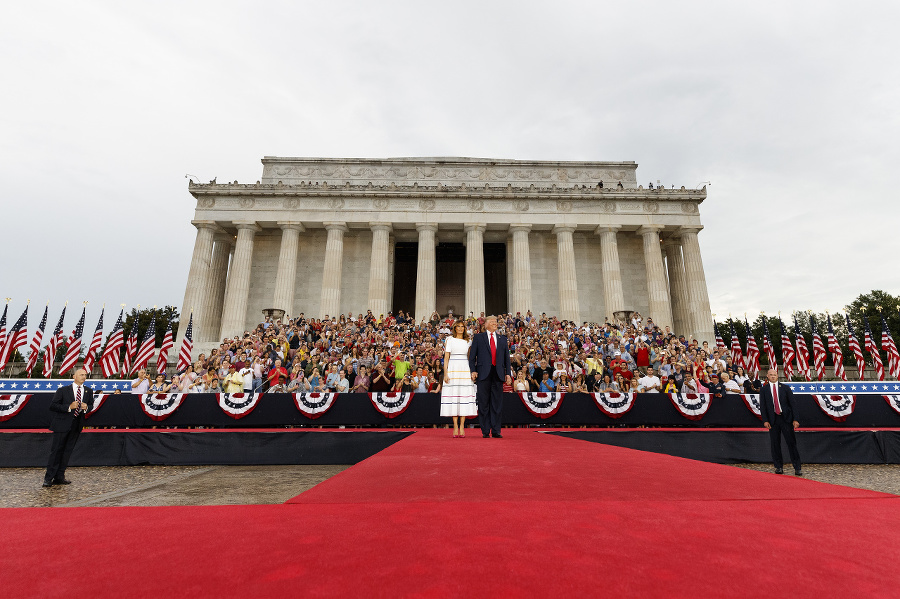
(736, 357)
(110, 359)
(767, 345)
(856, 349)
(3, 328)
(55, 341)
(130, 346)
(720, 344)
(888, 345)
(18, 336)
(837, 355)
(787, 352)
(802, 352)
(818, 350)
(187, 346)
(167, 344)
(74, 346)
(873, 350)
(148, 347)
(96, 341)
(35, 347)
(752, 352)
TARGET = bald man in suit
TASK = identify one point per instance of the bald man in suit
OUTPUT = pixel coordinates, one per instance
(69, 406)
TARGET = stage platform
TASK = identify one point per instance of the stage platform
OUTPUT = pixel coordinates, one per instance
(175, 447)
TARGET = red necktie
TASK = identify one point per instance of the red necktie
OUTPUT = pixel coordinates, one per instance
(493, 351)
(775, 398)
(77, 409)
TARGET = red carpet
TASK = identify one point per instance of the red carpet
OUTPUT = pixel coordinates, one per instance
(529, 515)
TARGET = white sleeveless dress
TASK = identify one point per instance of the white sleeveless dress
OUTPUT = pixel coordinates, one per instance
(458, 396)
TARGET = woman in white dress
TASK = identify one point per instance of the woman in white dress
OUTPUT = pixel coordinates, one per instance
(458, 393)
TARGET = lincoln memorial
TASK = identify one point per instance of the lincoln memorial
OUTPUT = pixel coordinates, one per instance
(325, 236)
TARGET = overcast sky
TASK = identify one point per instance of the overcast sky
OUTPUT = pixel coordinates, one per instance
(790, 109)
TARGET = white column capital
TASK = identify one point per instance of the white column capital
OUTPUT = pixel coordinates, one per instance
(247, 224)
(477, 227)
(381, 226)
(650, 229)
(688, 229)
(426, 227)
(601, 229)
(208, 224)
(336, 225)
(519, 228)
(292, 225)
(557, 229)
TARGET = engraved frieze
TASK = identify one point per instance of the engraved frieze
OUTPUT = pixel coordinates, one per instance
(651, 207)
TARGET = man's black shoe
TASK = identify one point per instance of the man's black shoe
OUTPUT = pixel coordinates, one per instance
(798, 472)
(62, 481)
(47, 483)
(779, 471)
(497, 436)
(485, 436)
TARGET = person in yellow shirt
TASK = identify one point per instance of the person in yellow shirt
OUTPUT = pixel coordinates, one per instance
(234, 381)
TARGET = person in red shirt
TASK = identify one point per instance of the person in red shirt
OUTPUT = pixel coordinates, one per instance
(278, 375)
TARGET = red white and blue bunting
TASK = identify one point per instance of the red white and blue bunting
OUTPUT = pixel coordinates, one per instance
(837, 407)
(159, 406)
(893, 401)
(752, 403)
(11, 404)
(237, 405)
(391, 404)
(542, 405)
(614, 405)
(691, 405)
(313, 405)
(99, 400)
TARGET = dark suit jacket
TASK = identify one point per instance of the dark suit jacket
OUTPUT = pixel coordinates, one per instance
(767, 404)
(61, 419)
(480, 356)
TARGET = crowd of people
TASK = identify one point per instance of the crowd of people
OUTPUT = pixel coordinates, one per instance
(368, 353)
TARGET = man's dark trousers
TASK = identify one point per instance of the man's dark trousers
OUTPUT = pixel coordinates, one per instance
(490, 403)
(783, 426)
(61, 451)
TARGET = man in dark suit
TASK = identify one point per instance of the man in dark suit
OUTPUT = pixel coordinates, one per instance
(489, 364)
(776, 406)
(69, 405)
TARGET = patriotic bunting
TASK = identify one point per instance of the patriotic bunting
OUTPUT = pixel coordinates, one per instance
(391, 404)
(237, 405)
(159, 406)
(837, 407)
(94, 347)
(752, 403)
(313, 405)
(893, 401)
(99, 400)
(35, 347)
(10, 405)
(614, 405)
(542, 405)
(691, 405)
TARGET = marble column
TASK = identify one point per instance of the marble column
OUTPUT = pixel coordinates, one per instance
(286, 276)
(657, 290)
(379, 275)
(198, 277)
(521, 269)
(215, 291)
(611, 270)
(568, 282)
(331, 276)
(474, 268)
(234, 313)
(677, 290)
(426, 285)
(695, 283)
